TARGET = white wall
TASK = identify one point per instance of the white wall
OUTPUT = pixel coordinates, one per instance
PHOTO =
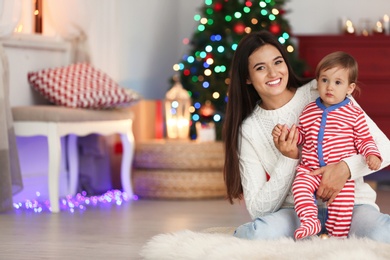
(151, 43)
(149, 46)
(138, 42)
(135, 42)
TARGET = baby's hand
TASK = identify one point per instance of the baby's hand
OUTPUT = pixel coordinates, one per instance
(373, 162)
(277, 131)
(285, 140)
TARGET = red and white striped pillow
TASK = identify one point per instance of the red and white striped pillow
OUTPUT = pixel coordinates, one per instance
(81, 85)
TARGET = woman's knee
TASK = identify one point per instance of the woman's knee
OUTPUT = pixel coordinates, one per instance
(273, 226)
(370, 223)
(259, 230)
(380, 230)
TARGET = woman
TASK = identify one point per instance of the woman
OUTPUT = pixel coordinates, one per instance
(264, 91)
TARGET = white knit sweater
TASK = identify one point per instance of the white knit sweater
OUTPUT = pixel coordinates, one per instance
(258, 156)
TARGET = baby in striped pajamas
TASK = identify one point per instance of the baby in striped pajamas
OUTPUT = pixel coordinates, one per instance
(330, 129)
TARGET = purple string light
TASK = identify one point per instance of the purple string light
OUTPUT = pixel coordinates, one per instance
(79, 202)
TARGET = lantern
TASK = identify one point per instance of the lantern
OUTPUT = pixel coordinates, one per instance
(177, 113)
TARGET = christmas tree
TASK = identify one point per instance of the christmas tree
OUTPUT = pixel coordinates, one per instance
(204, 71)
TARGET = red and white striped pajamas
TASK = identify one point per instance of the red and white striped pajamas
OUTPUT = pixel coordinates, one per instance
(328, 135)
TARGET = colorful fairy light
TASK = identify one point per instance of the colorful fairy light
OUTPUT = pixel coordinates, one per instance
(201, 27)
(217, 118)
(247, 9)
(79, 202)
(237, 15)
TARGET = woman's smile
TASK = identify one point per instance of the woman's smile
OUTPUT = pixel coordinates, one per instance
(274, 82)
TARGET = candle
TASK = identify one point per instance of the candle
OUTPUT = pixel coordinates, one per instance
(386, 24)
(38, 16)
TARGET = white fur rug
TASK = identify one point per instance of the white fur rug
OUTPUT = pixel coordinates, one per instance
(187, 244)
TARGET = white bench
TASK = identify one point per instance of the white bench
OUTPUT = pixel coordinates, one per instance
(33, 116)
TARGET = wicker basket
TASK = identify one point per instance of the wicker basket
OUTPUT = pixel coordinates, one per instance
(178, 170)
(178, 184)
(163, 154)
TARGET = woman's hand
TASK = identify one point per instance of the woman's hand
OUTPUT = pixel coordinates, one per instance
(334, 177)
(286, 140)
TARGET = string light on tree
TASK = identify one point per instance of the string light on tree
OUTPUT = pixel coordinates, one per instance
(204, 70)
(239, 28)
(274, 28)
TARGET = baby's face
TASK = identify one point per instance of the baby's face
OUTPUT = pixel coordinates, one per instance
(333, 85)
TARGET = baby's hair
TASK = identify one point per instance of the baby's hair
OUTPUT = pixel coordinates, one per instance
(343, 60)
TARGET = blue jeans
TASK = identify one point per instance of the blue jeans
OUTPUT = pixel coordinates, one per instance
(367, 222)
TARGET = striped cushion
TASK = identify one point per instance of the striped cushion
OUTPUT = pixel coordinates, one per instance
(81, 85)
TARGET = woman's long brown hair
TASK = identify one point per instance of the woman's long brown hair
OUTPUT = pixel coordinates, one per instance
(242, 99)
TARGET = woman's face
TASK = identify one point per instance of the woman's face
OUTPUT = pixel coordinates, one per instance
(268, 73)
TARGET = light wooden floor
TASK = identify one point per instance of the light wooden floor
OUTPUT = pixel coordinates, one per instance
(114, 232)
